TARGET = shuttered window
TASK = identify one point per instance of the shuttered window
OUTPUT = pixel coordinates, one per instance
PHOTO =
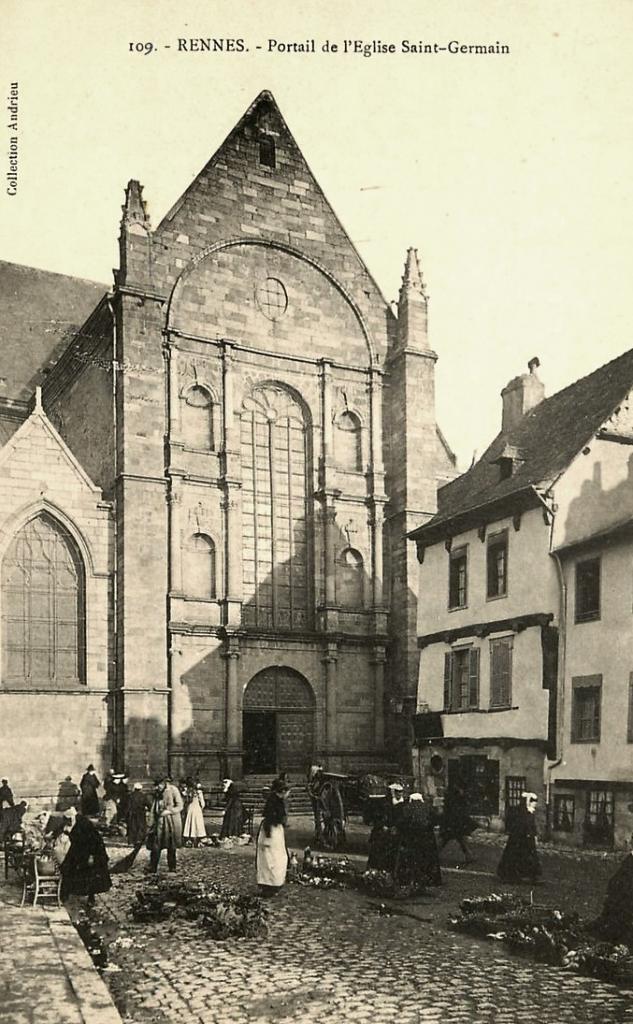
(585, 712)
(629, 734)
(461, 680)
(458, 578)
(501, 672)
(497, 565)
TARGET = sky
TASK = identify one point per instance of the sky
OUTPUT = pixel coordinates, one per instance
(510, 173)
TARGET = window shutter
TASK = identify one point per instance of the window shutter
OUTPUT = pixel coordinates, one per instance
(448, 661)
(473, 681)
(630, 724)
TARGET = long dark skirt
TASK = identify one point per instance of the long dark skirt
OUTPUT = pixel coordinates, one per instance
(419, 865)
(519, 861)
(383, 847)
(90, 803)
(233, 819)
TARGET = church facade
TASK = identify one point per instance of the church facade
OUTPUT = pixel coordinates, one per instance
(204, 556)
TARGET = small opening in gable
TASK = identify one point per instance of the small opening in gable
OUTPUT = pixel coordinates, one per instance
(267, 151)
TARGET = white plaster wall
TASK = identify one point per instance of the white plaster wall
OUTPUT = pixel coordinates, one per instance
(602, 647)
(527, 717)
(594, 493)
(532, 585)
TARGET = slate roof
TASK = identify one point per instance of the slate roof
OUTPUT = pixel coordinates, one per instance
(547, 438)
(8, 427)
(39, 314)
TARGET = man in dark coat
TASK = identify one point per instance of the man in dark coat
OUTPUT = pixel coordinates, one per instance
(456, 821)
(6, 796)
(89, 798)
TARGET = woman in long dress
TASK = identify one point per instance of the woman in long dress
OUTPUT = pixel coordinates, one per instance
(84, 869)
(234, 812)
(519, 861)
(417, 860)
(194, 829)
(271, 853)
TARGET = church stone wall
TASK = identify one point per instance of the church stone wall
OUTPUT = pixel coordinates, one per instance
(45, 736)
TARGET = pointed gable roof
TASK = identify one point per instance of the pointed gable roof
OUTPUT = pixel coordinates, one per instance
(38, 420)
(237, 195)
(546, 440)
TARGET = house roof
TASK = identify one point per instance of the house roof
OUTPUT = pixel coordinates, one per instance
(41, 312)
(544, 443)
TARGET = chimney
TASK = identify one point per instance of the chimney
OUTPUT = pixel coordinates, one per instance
(521, 395)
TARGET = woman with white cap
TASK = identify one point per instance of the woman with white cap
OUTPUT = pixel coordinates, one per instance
(520, 861)
(417, 861)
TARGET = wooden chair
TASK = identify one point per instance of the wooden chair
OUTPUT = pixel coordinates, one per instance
(41, 886)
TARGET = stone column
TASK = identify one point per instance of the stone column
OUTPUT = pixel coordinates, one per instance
(378, 665)
(233, 700)
(375, 388)
(175, 538)
(172, 712)
(377, 553)
(326, 423)
(329, 552)
(174, 397)
(329, 660)
(230, 438)
(232, 487)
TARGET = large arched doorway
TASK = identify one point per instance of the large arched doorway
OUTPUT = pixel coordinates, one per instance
(278, 722)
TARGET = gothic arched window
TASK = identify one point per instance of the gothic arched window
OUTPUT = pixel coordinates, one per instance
(197, 419)
(43, 608)
(347, 442)
(349, 579)
(199, 568)
(275, 487)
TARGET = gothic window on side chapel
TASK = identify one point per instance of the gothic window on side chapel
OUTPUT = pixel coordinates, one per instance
(43, 608)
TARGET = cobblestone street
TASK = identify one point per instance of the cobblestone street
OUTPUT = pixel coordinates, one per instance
(331, 956)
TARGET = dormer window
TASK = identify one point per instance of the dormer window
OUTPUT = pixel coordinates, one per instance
(267, 151)
(509, 460)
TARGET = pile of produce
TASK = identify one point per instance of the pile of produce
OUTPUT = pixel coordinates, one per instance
(546, 934)
(339, 873)
(222, 912)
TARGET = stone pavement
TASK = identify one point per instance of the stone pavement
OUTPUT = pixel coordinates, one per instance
(46, 975)
(331, 956)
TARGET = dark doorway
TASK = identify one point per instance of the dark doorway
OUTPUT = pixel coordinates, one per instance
(479, 775)
(279, 712)
(260, 742)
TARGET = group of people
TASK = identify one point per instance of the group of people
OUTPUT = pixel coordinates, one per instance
(402, 839)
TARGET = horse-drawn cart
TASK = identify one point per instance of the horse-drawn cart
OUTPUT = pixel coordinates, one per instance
(334, 796)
